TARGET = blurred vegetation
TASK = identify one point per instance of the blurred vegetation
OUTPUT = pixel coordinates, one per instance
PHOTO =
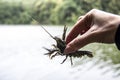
(13, 13)
(52, 11)
(106, 57)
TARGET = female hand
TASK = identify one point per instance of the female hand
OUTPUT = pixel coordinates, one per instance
(95, 26)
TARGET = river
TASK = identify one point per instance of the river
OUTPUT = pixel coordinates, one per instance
(22, 57)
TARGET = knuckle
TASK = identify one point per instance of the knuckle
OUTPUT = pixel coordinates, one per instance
(92, 12)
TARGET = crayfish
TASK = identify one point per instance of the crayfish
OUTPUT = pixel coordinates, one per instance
(58, 49)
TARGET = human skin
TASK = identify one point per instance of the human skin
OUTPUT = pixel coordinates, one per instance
(94, 26)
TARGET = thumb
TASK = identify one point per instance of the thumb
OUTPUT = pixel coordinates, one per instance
(79, 42)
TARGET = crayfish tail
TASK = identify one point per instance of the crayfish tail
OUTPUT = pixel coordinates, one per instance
(89, 54)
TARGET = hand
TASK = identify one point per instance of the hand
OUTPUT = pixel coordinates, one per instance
(95, 26)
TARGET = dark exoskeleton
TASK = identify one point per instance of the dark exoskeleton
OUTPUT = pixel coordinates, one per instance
(58, 49)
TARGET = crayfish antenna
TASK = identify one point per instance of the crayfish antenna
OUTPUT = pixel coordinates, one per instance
(47, 32)
(42, 27)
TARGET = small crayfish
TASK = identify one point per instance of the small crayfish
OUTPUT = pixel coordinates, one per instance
(58, 49)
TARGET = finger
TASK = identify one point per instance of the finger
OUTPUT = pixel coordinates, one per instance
(79, 42)
(82, 25)
(85, 29)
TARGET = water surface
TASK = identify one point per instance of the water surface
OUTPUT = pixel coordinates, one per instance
(21, 57)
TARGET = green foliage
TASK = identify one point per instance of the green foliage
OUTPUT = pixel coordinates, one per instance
(43, 10)
(65, 12)
(52, 11)
(12, 13)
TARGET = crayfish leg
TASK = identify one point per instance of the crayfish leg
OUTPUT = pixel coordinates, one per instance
(53, 55)
(50, 51)
(64, 33)
(64, 59)
(71, 60)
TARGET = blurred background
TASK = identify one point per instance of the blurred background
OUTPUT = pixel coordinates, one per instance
(22, 39)
(51, 11)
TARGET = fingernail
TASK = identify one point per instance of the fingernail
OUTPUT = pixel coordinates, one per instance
(68, 50)
(65, 51)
